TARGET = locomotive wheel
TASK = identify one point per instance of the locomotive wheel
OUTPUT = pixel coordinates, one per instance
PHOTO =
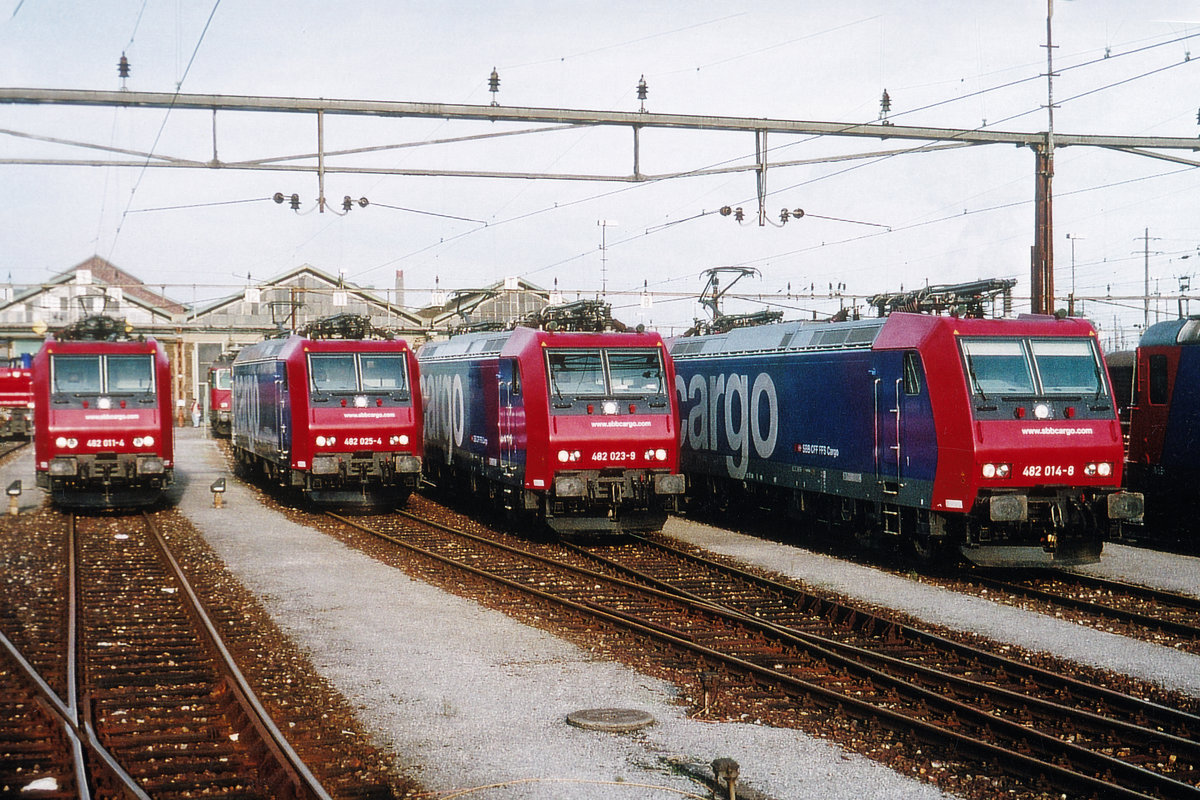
(923, 549)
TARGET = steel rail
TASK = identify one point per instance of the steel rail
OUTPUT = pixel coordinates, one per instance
(1031, 766)
(1134, 706)
(1050, 709)
(1103, 609)
(303, 783)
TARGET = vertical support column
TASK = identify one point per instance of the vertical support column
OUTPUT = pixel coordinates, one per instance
(637, 152)
(321, 160)
(1042, 268)
(760, 152)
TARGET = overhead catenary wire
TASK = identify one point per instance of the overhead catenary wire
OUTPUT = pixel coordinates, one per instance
(162, 126)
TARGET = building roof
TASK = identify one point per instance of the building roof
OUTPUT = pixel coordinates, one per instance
(308, 292)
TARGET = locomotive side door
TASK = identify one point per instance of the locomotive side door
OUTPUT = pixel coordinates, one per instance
(890, 402)
(510, 409)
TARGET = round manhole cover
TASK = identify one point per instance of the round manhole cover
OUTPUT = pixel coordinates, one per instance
(613, 720)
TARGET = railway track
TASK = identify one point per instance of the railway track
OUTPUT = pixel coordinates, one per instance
(1164, 617)
(818, 659)
(125, 662)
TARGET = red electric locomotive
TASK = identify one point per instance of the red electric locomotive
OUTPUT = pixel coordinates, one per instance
(220, 404)
(16, 398)
(573, 423)
(995, 440)
(102, 411)
(331, 412)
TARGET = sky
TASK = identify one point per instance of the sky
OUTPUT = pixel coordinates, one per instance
(871, 225)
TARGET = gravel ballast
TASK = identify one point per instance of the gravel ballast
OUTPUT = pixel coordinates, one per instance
(466, 697)
(1171, 669)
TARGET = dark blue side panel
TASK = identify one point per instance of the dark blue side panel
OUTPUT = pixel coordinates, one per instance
(837, 422)
(261, 408)
(461, 417)
(1182, 440)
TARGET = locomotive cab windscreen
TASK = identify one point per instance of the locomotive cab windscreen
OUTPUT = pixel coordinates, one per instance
(358, 374)
(1005, 371)
(83, 376)
(606, 373)
(221, 379)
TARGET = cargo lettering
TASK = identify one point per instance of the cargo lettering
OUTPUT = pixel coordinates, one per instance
(445, 409)
(733, 405)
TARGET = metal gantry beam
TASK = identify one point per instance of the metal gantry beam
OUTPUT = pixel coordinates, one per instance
(553, 119)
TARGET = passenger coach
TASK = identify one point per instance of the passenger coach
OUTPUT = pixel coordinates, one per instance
(331, 412)
(575, 427)
(102, 410)
(996, 438)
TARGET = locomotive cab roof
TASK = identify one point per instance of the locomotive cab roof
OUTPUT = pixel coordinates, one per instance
(1174, 331)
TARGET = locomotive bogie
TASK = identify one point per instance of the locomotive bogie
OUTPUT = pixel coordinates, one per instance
(996, 439)
(575, 429)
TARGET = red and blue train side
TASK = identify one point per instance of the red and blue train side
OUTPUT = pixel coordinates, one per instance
(336, 418)
(220, 402)
(576, 428)
(997, 439)
(1164, 429)
(16, 398)
(103, 435)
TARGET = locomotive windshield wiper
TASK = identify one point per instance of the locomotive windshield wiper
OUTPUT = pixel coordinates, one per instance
(975, 378)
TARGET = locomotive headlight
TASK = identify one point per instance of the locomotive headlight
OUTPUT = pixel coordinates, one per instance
(1041, 411)
(989, 470)
(404, 439)
(1104, 469)
(996, 470)
(609, 407)
(1090, 470)
(151, 465)
(564, 456)
(575, 455)
(660, 454)
(1002, 470)
(360, 401)
(60, 441)
(648, 455)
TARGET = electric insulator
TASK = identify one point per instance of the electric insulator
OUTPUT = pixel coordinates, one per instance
(885, 102)
(363, 202)
(279, 197)
(295, 200)
(347, 203)
(738, 214)
(494, 82)
(784, 215)
(642, 89)
(123, 67)
(797, 212)
(726, 211)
